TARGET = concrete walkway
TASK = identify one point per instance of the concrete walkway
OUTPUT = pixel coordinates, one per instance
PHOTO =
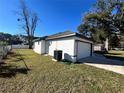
(104, 63)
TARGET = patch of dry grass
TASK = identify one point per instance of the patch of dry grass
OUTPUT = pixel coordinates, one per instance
(46, 76)
(118, 55)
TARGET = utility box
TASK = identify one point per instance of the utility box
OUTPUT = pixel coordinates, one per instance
(58, 55)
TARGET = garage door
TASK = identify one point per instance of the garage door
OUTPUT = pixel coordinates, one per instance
(84, 50)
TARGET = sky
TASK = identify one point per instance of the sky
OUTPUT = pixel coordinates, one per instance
(54, 15)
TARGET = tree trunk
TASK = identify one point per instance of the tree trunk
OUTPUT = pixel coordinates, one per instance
(30, 46)
(30, 40)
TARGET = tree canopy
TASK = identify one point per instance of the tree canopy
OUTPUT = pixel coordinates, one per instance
(104, 19)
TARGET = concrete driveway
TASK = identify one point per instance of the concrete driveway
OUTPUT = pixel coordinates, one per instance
(104, 63)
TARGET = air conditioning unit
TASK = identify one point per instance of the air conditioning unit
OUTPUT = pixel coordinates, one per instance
(58, 55)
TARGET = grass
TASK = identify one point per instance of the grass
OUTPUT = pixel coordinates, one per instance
(118, 55)
(46, 76)
(112, 54)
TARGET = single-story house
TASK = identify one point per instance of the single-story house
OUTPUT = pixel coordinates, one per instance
(99, 47)
(74, 46)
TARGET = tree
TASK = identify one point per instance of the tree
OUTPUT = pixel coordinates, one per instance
(115, 41)
(29, 22)
(105, 19)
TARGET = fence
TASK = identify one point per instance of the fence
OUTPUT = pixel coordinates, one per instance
(4, 50)
(20, 46)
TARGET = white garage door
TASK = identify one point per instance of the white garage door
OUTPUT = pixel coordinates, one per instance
(84, 50)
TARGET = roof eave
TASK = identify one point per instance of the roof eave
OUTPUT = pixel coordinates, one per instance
(61, 36)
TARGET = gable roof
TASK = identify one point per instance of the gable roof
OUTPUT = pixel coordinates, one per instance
(63, 35)
(59, 35)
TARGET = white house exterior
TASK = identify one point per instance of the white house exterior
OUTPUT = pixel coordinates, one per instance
(39, 47)
(73, 46)
(98, 47)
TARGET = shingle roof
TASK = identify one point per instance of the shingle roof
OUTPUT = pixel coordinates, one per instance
(59, 35)
(62, 35)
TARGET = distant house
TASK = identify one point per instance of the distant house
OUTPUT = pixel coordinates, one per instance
(74, 46)
(99, 47)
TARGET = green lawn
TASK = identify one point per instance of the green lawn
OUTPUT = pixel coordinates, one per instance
(47, 76)
(119, 55)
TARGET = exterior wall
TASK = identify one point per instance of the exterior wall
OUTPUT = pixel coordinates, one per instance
(39, 47)
(68, 45)
(65, 44)
(98, 47)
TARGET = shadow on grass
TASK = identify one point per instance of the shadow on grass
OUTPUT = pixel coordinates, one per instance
(114, 57)
(7, 70)
(103, 52)
(11, 71)
(115, 53)
(66, 62)
(15, 55)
